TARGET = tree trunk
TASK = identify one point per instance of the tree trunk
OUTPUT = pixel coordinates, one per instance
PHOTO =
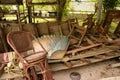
(29, 10)
(61, 5)
(99, 11)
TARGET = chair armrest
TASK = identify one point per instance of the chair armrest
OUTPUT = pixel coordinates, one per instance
(35, 53)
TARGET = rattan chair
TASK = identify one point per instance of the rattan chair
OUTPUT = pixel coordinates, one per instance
(21, 43)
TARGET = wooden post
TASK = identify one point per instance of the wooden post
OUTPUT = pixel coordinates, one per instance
(61, 5)
(18, 17)
(99, 11)
(28, 2)
(29, 14)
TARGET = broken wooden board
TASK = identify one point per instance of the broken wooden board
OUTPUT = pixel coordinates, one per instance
(61, 66)
(82, 48)
(111, 78)
(87, 54)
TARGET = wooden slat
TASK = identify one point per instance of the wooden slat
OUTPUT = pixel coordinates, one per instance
(111, 78)
(99, 56)
(88, 54)
(60, 66)
(85, 61)
(82, 48)
(109, 54)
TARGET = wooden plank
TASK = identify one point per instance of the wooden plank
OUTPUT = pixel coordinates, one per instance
(111, 78)
(109, 54)
(85, 61)
(89, 41)
(88, 54)
(115, 42)
(44, 3)
(82, 48)
(60, 66)
(115, 65)
(99, 56)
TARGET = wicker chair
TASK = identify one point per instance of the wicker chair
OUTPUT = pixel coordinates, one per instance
(21, 43)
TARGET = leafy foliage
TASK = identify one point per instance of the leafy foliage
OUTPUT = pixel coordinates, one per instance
(110, 4)
(43, 0)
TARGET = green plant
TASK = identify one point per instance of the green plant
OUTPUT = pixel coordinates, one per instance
(65, 11)
(110, 4)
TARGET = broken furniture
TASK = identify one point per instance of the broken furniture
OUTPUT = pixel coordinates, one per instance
(71, 22)
(87, 55)
(110, 15)
(21, 43)
(78, 33)
(117, 31)
(89, 21)
(111, 78)
(75, 57)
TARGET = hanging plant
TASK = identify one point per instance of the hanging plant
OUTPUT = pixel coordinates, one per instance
(110, 4)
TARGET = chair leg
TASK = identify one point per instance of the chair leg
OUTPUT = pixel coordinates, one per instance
(45, 70)
(33, 73)
(26, 73)
(49, 73)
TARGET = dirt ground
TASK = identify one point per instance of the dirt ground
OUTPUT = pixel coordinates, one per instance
(94, 71)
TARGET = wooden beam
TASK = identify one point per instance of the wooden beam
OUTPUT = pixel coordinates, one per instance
(61, 66)
(83, 48)
(29, 14)
(96, 52)
(61, 6)
(44, 3)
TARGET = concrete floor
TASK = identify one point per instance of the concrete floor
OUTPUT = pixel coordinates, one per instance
(94, 71)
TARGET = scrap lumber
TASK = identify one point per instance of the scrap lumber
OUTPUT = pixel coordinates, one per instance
(68, 64)
(85, 60)
(78, 32)
(109, 17)
(115, 42)
(99, 56)
(89, 41)
(117, 30)
(115, 65)
(111, 78)
(109, 54)
(83, 35)
(96, 52)
(61, 66)
(82, 48)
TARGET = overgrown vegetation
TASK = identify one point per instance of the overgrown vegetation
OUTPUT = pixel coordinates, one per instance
(107, 4)
(110, 4)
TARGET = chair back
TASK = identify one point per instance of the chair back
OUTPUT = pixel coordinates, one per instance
(20, 41)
